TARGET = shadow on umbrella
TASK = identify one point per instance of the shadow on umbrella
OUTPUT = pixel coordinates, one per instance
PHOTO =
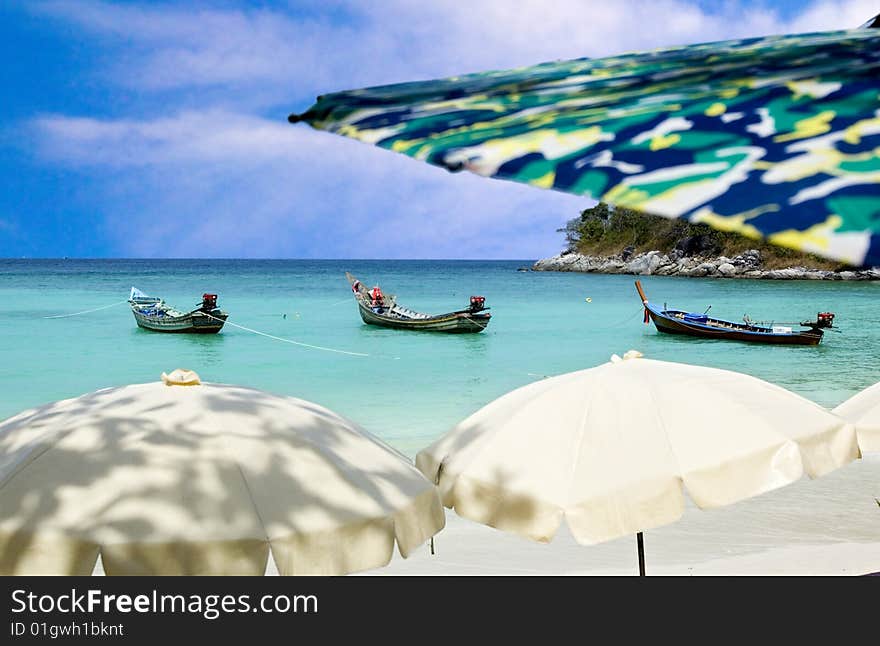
(210, 481)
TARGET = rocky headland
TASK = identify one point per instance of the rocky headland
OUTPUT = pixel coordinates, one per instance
(616, 240)
(747, 264)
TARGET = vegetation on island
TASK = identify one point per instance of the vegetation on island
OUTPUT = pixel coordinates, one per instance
(605, 230)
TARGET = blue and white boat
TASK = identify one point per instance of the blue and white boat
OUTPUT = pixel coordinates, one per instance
(153, 313)
(706, 327)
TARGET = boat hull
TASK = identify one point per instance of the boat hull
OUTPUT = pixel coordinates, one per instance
(452, 323)
(668, 323)
(191, 323)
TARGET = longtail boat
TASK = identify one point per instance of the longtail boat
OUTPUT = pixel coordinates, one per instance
(378, 308)
(153, 313)
(701, 325)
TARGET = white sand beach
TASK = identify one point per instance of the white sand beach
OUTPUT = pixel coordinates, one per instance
(828, 526)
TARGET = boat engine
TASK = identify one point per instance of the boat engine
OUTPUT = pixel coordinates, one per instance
(478, 303)
(823, 320)
(209, 302)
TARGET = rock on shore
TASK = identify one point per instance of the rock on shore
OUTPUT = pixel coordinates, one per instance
(654, 263)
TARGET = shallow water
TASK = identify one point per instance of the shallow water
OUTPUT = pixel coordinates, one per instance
(413, 386)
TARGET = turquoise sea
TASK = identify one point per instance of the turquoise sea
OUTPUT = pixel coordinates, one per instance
(413, 386)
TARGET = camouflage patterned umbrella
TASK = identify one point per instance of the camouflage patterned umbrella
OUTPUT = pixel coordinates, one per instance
(775, 137)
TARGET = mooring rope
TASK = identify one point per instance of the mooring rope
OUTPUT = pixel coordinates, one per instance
(291, 341)
(62, 316)
(619, 323)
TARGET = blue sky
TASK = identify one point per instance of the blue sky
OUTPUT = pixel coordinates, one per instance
(157, 129)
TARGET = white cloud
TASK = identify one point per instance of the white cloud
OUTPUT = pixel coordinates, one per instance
(226, 180)
(827, 15)
(187, 137)
(168, 47)
(224, 184)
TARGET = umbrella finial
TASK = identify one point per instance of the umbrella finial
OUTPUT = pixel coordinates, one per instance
(629, 354)
(181, 377)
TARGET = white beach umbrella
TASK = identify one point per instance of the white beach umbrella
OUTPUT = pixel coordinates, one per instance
(202, 479)
(863, 411)
(612, 449)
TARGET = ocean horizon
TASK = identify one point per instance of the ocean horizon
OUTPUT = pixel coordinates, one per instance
(244, 259)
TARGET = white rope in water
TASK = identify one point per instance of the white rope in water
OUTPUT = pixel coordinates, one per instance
(619, 323)
(291, 341)
(62, 316)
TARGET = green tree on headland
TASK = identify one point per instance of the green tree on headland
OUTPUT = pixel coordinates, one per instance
(605, 230)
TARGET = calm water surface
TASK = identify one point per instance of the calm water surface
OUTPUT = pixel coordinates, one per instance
(412, 387)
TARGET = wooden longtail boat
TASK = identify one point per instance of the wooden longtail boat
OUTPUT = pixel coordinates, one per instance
(152, 313)
(700, 325)
(377, 308)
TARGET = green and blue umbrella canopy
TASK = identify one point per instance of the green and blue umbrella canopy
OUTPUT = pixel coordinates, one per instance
(775, 137)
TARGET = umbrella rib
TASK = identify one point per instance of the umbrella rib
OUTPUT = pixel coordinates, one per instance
(490, 435)
(580, 446)
(50, 440)
(47, 445)
(21, 467)
(248, 490)
(655, 408)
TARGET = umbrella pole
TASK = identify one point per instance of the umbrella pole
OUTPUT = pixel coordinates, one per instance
(641, 542)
